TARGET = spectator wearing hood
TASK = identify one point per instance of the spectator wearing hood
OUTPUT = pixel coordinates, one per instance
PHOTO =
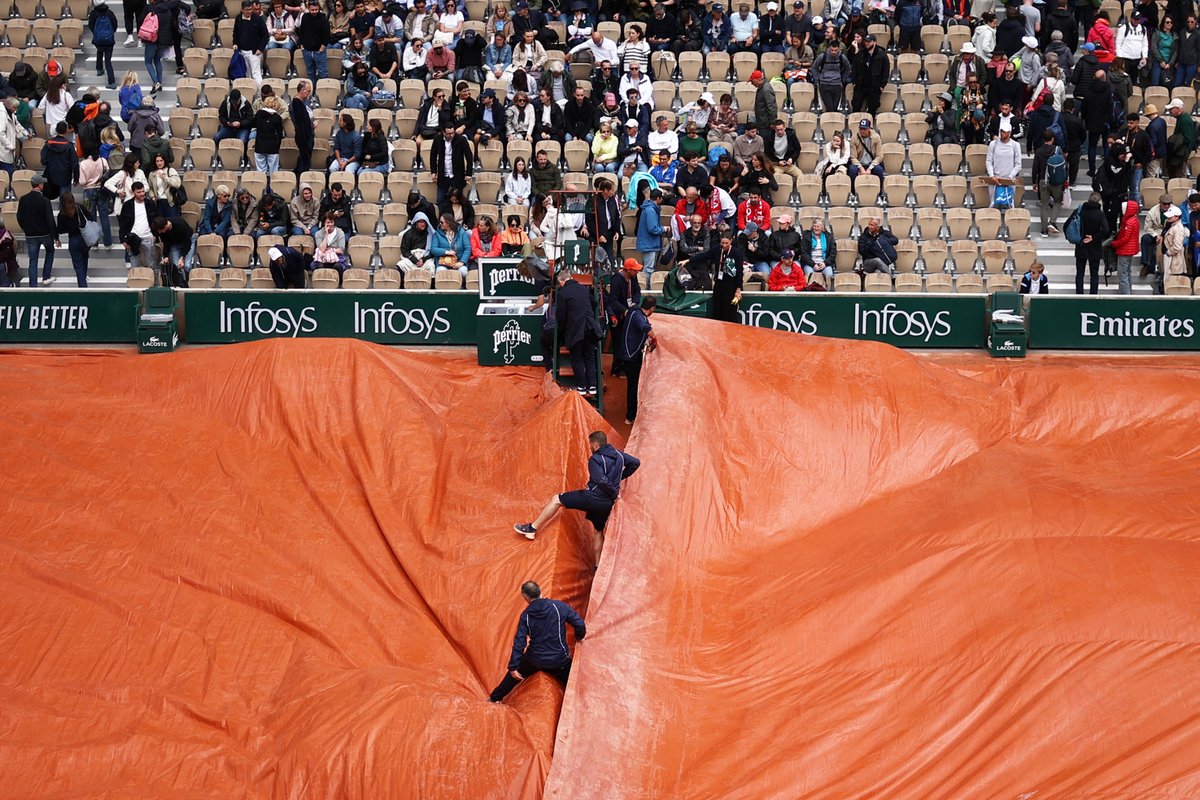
(24, 82)
(1101, 35)
(274, 219)
(1061, 51)
(8, 134)
(1010, 32)
(304, 210)
(155, 144)
(1062, 21)
(143, 120)
(416, 245)
(468, 57)
(1126, 245)
(287, 265)
(59, 163)
(244, 219)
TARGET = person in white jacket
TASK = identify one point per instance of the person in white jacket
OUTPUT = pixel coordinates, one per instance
(518, 186)
(985, 36)
(1133, 42)
(8, 135)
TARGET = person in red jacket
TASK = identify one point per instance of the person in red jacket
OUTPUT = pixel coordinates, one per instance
(1127, 244)
(1103, 37)
(787, 275)
(754, 209)
(485, 240)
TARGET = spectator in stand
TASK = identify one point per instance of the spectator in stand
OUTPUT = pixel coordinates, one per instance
(250, 37)
(416, 244)
(691, 175)
(411, 62)
(451, 163)
(650, 232)
(346, 147)
(361, 86)
(634, 108)
(529, 55)
(236, 116)
(548, 119)
(489, 122)
(304, 126)
(162, 182)
(787, 276)
(818, 251)
(782, 149)
(336, 202)
(605, 148)
(723, 124)
(71, 219)
(836, 159)
(748, 144)
(135, 231)
(102, 22)
(870, 70)
(1095, 229)
(632, 147)
(485, 241)
(1003, 161)
(91, 174)
(521, 119)
(1062, 21)
(177, 241)
(634, 52)
(1181, 143)
(56, 102)
(1030, 71)
(35, 218)
(420, 22)
(605, 80)
(544, 174)
(1034, 281)
(287, 267)
(217, 213)
(389, 30)
(718, 31)
(766, 106)
(304, 212)
(579, 115)
(155, 144)
(943, 122)
(831, 73)
(1050, 192)
(661, 29)
(1156, 131)
(273, 216)
(441, 61)
(165, 11)
(1151, 240)
(1126, 245)
(743, 30)
(243, 221)
(514, 241)
(330, 245)
(1188, 52)
(754, 209)
(1097, 114)
(757, 248)
(866, 152)
(1006, 90)
(362, 23)
(497, 56)
(268, 126)
(375, 149)
(984, 38)
(339, 24)
(1176, 237)
(1114, 181)
(59, 162)
(281, 28)
(451, 246)
(877, 247)
(8, 135)
(663, 138)
(459, 207)
(450, 23)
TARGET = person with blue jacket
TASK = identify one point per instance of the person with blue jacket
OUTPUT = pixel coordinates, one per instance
(451, 241)
(650, 232)
(607, 467)
(635, 338)
(218, 211)
(541, 642)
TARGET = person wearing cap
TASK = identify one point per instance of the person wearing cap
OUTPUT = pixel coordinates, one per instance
(250, 38)
(441, 60)
(1151, 241)
(388, 30)
(965, 65)
(1175, 238)
(830, 73)
(35, 218)
(1030, 70)
(1133, 42)
(632, 147)
(287, 266)
(786, 276)
(743, 30)
(633, 340)
(942, 122)
(1084, 72)
(799, 24)
(1181, 143)
(757, 248)
(650, 232)
(908, 20)
(718, 30)
(661, 29)
(870, 70)
(866, 151)
(766, 105)
(771, 31)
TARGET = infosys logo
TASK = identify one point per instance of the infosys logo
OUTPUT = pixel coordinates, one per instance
(891, 320)
(757, 316)
(256, 319)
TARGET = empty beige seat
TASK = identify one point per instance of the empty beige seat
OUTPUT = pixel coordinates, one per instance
(325, 278)
(1177, 284)
(847, 282)
(233, 278)
(202, 278)
(260, 278)
(387, 278)
(356, 279)
(143, 278)
(878, 282)
(908, 282)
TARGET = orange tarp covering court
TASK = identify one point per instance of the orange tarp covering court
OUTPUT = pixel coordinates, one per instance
(287, 570)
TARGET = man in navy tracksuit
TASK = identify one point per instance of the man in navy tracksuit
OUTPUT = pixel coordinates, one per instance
(543, 625)
(634, 337)
(607, 467)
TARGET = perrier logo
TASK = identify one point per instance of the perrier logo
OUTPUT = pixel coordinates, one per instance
(509, 337)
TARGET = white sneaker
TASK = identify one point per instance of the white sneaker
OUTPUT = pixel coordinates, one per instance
(130, 41)
(48, 281)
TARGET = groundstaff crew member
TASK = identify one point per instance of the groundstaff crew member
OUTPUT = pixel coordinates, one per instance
(541, 641)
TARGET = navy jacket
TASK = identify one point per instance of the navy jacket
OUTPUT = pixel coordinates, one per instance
(572, 308)
(542, 625)
(607, 467)
(631, 336)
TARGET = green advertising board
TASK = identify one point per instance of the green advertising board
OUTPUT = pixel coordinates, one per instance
(903, 320)
(70, 316)
(1114, 323)
(434, 318)
(508, 336)
(499, 278)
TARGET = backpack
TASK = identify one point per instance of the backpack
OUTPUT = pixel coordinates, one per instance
(104, 32)
(1060, 135)
(1072, 230)
(237, 66)
(148, 32)
(1117, 117)
(929, 12)
(185, 24)
(1056, 168)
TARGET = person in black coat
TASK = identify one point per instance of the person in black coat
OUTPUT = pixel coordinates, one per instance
(1076, 133)
(870, 69)
(555, 130)
(607, 211)
(287, 267)
(1094, 228)
(1113, 182)
(302, 119)
(461, 165)
(1096, 114)
(1010, 32)
(727, 280)
(574, 313)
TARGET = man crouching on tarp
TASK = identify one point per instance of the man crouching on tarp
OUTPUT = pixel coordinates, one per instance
(542, 625)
